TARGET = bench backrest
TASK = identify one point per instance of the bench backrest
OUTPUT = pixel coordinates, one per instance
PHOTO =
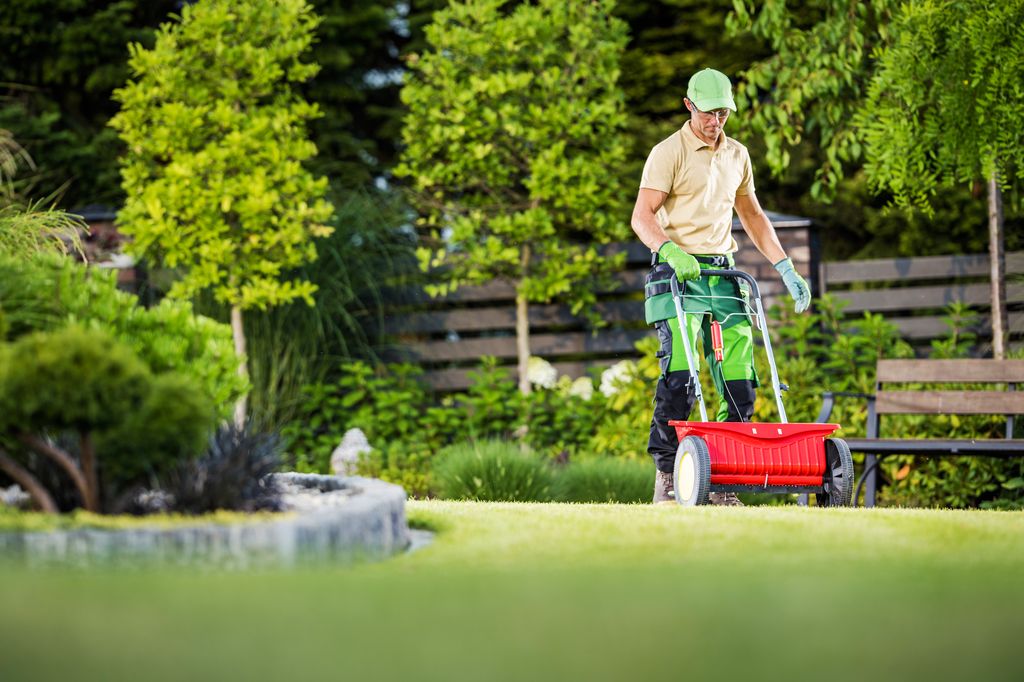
(919, 401)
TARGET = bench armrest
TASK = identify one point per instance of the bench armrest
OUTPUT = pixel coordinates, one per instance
(828, 401)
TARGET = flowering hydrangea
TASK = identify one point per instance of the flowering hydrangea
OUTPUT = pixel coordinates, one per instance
(615, 375)
(582, 387)
(540, 372)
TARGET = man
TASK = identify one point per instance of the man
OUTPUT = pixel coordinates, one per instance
(691, 182)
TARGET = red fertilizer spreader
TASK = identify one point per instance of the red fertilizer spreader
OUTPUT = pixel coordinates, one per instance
(755, 457)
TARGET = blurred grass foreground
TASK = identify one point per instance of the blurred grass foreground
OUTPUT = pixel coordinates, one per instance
(512, 591)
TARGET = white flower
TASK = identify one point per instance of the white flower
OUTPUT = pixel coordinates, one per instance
(540, 372)
(616, 375)
(582, 387)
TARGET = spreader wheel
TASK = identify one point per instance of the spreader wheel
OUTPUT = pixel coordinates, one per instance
(838, 478)
(692, 474)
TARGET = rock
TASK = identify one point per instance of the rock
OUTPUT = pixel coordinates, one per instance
(153, 502)
(346, 456)
(15, 497)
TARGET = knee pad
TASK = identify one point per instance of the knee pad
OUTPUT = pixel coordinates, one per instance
(740, 396)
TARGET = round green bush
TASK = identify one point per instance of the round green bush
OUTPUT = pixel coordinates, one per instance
(170, 426)
(492, 471)
(606, 479)
(73, 378)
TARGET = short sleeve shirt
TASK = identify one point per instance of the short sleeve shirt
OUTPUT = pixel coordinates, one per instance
(702, 184)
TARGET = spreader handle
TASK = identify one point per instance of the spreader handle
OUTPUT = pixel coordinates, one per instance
(735, 274)
(758, 309)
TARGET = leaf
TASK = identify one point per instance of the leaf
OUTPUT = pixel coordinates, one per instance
(903, 472)
(1014, 483)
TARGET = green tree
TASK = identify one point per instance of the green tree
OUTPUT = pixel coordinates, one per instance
(944, 108)
(359, 48)
(56, 86)
(216, 139)
(514, 129)
(814, 81)
(60, 60)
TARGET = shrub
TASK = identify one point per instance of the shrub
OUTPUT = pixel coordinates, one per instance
(823, 351)
(356, 271)
(75, 380)
(605, 479)
(170, 426)
(815, 352)
(492, 471)
(86, 403)
(232, 474)
(27, 294)
(624, 420)
(170, 337)
(46, 291)
(387, 403)
(406, 423)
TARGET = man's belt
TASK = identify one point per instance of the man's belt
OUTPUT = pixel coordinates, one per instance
(723, 261)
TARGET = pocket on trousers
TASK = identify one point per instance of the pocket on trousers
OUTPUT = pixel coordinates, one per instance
(658, 308)
(658, 303)
(664, 353)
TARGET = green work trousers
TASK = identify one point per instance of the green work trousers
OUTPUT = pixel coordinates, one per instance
(709, 298)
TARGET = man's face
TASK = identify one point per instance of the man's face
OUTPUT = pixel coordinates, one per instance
(707, 124)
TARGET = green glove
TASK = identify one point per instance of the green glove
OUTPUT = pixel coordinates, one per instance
(685, 265)
(798, 288)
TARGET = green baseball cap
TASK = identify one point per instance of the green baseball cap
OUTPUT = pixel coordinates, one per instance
(710, 90)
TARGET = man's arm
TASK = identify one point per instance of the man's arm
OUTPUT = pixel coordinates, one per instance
(757, 225)
(761, 232)
(644, 222)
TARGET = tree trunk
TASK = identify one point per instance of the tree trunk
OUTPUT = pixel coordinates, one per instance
(997, 259)
(63, 459)
(523, 325)
(30, 483)
(238, 332)
(92, 479)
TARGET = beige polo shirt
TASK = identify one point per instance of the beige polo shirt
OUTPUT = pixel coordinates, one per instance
(702, 184)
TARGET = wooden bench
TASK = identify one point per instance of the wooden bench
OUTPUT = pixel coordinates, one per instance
(1007, 402)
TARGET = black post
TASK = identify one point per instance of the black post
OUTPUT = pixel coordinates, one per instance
(870, 465)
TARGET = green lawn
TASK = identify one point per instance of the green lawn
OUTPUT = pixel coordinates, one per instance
(588, 592)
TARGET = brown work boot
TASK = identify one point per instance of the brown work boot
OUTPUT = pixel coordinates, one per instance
(663, 488)
(724, 500)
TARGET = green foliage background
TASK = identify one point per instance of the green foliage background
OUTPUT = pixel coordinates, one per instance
(515, 117)
(943, 108)
(57, 85)
(795, 116)
(216, 139)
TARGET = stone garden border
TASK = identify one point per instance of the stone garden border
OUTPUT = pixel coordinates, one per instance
(332, 518)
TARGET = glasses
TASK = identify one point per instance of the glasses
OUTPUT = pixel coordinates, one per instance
(718, 114)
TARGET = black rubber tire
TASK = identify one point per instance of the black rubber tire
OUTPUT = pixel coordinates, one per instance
(838, 479)
(692, 471)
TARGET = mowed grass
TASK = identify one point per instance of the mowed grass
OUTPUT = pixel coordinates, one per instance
(561, 592)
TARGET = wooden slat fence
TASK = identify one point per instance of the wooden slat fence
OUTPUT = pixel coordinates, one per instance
(913, 293)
